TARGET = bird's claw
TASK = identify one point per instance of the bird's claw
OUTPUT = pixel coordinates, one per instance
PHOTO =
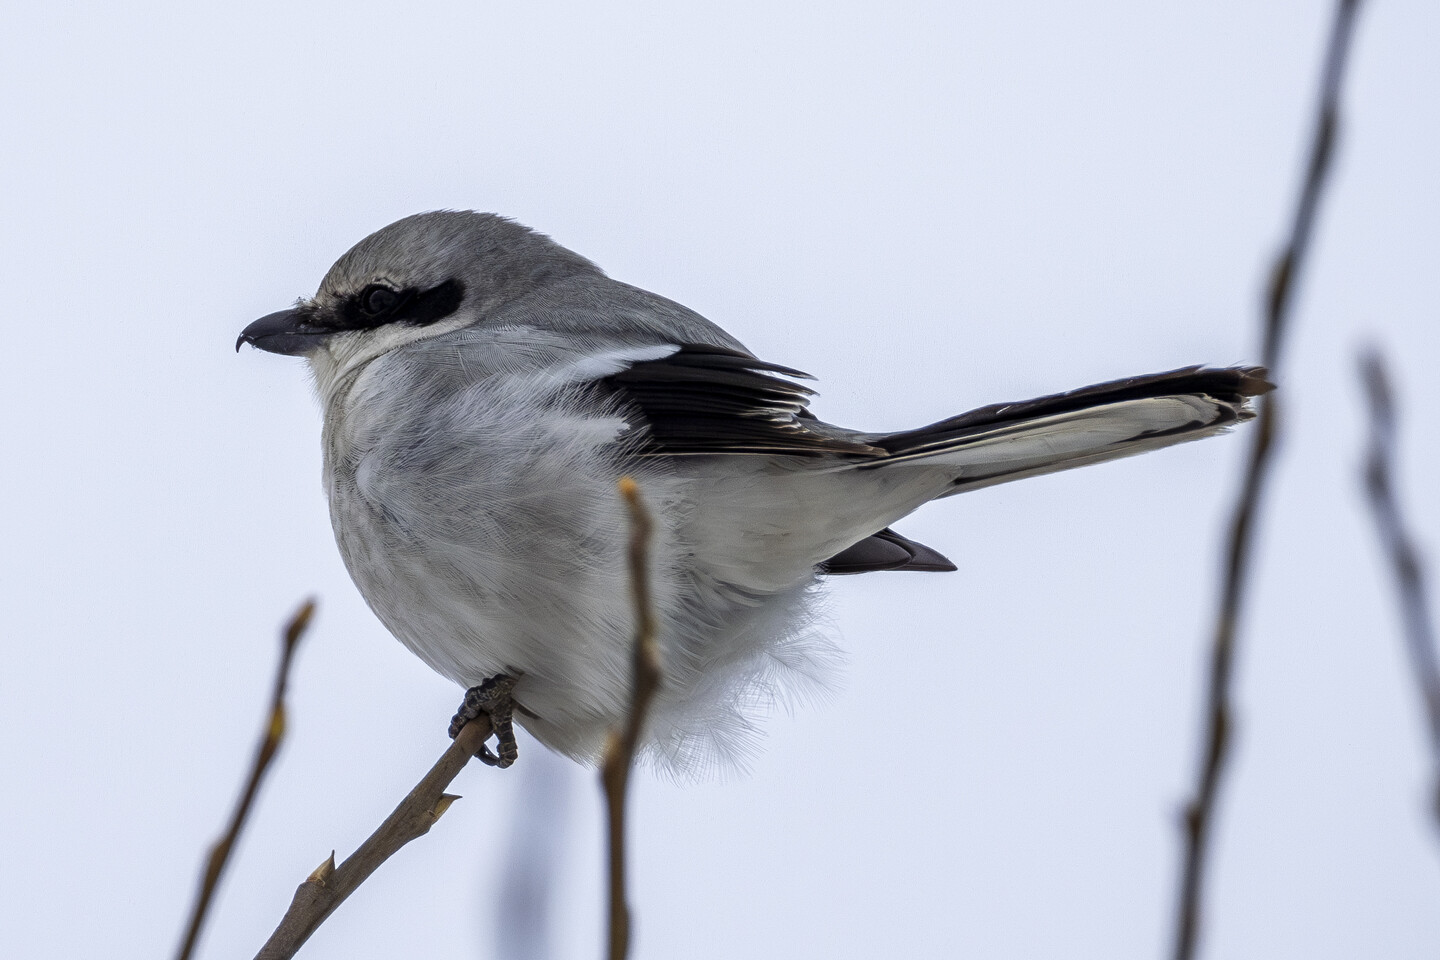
(491, 698)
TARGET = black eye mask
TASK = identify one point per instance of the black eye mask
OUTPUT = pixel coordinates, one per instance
(379, 304)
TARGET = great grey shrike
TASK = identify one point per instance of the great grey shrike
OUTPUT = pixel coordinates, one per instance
(484, 389)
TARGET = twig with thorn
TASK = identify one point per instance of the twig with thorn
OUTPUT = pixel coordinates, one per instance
(1400, 551)
(1199, 816)
(329, 885)
(269, 743)
(622, 744)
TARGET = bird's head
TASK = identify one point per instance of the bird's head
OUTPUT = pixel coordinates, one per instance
(420, 277)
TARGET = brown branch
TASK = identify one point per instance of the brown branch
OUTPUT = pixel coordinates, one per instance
(269, 743)
(329, 885)
(620, 748)
(1400, 550)
(1199, 815)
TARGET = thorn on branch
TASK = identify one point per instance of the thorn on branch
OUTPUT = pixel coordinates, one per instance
(443, 804)
(322, 873)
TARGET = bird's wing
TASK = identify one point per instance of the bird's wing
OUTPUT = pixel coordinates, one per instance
(704, 399)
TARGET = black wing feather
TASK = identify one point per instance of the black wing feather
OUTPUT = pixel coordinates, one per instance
(711, 400)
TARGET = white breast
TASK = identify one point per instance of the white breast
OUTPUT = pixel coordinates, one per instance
(484, 528)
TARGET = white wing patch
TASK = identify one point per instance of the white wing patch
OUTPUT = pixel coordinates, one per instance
(607, 362)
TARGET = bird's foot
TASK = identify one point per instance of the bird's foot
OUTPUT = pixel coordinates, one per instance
(491, 698)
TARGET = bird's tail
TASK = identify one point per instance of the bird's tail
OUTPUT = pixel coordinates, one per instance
(1009, 441)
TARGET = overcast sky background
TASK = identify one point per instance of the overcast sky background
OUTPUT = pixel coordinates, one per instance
(928, 206)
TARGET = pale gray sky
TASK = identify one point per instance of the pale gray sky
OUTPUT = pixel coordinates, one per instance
(930, 207)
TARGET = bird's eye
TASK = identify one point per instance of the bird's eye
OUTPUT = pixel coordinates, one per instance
(377, 300)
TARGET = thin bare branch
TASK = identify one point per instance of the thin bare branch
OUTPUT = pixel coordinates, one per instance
(1199, 815)
(270, 740)
(329, 885)
(621, 747)
(1400, 550)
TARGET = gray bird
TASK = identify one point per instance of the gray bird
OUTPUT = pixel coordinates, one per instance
(485, 388)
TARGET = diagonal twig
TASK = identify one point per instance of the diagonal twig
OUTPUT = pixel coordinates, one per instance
(1199, 815)
(622, 744)
(328, 886)
(1400, 550)
(269, 743)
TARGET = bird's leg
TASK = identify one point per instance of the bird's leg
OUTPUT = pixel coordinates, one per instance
(492, 698)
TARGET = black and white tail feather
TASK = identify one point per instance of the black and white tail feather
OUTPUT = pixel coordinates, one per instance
(704, 400)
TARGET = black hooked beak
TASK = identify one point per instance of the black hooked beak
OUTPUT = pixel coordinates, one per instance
(287, 332)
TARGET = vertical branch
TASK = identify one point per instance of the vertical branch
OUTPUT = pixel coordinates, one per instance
(621, 747)
(1199, 815)
(270, 740)
(1400, 551)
